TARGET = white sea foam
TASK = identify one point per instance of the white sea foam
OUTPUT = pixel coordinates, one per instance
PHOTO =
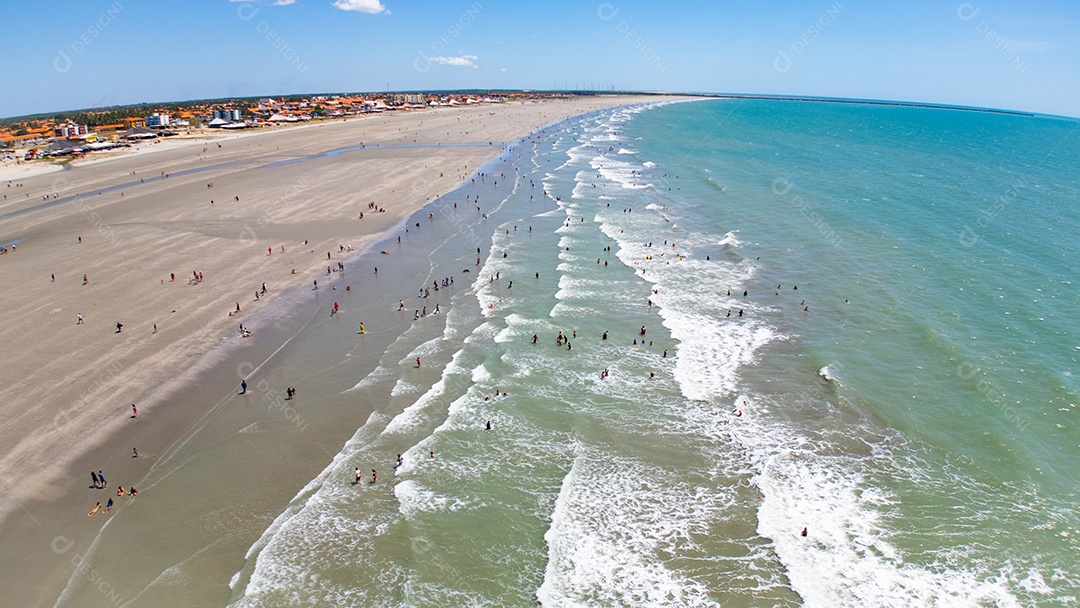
(624, 173)
(379, 374)
(480, 373)
(414, 498)
(425, 349)
(730, 239)
(613, 526)
(413, 415)
(403, 387)
(846, 559)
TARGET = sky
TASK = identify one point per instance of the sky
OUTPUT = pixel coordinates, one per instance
(73, 54)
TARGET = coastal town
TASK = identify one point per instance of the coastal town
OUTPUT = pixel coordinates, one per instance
(77, 134)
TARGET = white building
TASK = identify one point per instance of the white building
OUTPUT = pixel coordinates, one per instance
(227, 114)
(158, 120)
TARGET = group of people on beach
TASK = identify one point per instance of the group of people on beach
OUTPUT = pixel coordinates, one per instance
(98, 481)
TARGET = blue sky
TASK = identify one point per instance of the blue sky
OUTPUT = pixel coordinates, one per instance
(70, 54)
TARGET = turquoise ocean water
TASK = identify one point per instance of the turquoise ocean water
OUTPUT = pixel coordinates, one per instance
(898, 379)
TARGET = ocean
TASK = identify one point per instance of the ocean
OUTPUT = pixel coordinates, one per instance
(846, 320)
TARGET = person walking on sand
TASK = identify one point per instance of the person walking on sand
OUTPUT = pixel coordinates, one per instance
(119, 327)
(78, 319)
(108, 506)
(93, 476)
(134, 411)
(418, 362)
(243, 387)
(101, 478)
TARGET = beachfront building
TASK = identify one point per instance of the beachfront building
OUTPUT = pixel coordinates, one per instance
(413, 99)
(70, 130)
(158, 120)
(227, 114)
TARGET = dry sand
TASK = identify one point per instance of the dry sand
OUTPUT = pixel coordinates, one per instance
(69, 387)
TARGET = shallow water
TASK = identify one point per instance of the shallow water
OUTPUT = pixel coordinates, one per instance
(930, 469)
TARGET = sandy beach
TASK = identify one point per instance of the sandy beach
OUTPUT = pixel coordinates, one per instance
(126, 282)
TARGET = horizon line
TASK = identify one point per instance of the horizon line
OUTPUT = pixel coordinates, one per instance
(706, 95)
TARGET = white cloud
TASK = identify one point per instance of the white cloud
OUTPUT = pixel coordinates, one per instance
(502, 69)
(372, 7)
(464, 61)
(283, 2)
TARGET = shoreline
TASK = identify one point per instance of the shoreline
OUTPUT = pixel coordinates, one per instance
(204, 350)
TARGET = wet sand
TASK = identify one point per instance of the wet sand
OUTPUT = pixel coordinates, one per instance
(71, 386)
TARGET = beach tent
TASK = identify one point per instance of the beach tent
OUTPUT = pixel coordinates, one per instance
(63, 146)
(139, 133)
(217, 122)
